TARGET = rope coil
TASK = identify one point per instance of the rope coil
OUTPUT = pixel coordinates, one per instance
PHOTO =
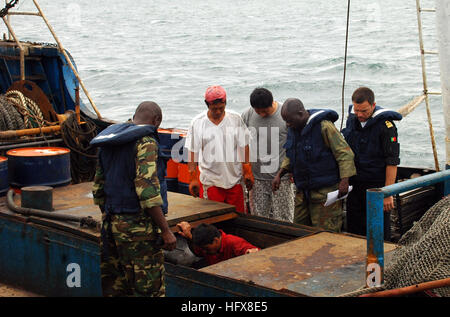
(83, 157)
(28, 109)
(18, 112)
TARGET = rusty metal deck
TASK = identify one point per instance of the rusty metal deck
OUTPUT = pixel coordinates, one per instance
(77, 200)
(323, 264)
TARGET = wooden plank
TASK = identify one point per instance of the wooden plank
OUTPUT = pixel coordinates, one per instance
(210, 220)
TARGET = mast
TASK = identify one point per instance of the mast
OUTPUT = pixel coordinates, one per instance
(443, 35)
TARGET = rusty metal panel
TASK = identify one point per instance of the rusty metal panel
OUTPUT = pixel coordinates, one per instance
(323, 264)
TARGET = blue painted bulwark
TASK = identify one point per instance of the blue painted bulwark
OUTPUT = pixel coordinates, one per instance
(183, 281)
(4, 185)
(375, 238)
(48, 260)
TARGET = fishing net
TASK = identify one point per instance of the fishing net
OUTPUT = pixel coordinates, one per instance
(423, 253)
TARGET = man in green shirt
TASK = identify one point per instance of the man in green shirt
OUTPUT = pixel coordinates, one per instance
(320, 161)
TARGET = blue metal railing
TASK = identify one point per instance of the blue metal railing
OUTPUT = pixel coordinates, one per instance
(375, 234)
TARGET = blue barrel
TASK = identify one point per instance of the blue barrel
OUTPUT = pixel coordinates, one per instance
(4, 183)
(40, 166)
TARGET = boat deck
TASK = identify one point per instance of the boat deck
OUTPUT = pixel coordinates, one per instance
(77, 200)
(322, 264)
(319, 263)
(9, 291)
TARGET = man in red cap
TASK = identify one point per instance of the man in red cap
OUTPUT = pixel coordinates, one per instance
(217, 142)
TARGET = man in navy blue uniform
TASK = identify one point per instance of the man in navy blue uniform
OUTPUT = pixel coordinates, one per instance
(372, 135)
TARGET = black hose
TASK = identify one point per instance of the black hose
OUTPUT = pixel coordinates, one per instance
(83, 221)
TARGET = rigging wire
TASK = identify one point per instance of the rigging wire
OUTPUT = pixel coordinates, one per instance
(345, 64)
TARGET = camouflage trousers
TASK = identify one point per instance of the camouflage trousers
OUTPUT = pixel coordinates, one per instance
(130, 268)
(310, 209)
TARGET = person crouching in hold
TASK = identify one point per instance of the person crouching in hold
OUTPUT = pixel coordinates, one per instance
(218, 143)
(320, 161)
(214, 244)
(127, 190)
(371, 133)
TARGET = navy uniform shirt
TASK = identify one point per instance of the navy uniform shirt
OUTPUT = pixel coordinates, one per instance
(389, 142)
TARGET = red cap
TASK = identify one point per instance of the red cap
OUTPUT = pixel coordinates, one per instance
(215, 92)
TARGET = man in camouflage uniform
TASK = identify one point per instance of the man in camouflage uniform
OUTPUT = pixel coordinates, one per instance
(127, 190)
(321, 162)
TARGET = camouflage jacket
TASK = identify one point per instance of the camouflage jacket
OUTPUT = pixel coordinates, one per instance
(141, 226)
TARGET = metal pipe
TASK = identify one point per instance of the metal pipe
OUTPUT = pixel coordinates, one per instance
(29, 139)
(375, 228)
(410, 289)
(14, 146)
(63, 51)
(88, 221)
(16, 133)
(413, 183)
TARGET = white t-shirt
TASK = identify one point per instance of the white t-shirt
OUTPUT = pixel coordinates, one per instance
(220, 148)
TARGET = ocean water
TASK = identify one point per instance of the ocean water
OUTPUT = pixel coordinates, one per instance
(171, 51)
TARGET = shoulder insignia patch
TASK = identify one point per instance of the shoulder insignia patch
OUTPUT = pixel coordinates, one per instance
(389, 124)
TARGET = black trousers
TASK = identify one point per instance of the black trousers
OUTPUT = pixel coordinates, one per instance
(356, 210)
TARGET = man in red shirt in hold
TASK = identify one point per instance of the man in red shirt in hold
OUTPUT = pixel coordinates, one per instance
(214, 244)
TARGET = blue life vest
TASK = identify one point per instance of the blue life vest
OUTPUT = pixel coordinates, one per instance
(366, 144)
(312, 162)
(117, 157)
